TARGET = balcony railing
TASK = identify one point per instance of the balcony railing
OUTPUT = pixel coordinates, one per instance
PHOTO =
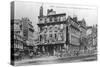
(51, 23)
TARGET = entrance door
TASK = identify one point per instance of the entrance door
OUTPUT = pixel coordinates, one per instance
(51, 50)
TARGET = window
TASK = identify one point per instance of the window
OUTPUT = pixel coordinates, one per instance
(58, 18)
(60, 37)
(55, 19)
(55, 36)
(50, 19)
(50, 35)
(64, 18)
(17, 23)
(61, 26)
(45, 38)
(40, 38)
(61, 18)
(47, 20)
(74, 40)
(40, 19)
(17, 32)
(50, 38)
(21, 26)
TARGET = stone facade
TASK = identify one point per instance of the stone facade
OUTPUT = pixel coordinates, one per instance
(58, 32)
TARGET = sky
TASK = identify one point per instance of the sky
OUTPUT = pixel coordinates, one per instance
(32, 9)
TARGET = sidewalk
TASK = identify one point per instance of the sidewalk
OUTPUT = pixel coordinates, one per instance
(36, 59)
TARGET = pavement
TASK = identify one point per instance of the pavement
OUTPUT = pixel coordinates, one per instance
(54, 59)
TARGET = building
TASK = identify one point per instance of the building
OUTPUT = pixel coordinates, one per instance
(74, 33)
(83, 28)
(36, 38)
(18, 42)
(58, 32)
(17, 39)
(92, 36)
(21, 37)
(83, 36)
(27, 31)
(23, 29)
(52, 32)
(18, 34)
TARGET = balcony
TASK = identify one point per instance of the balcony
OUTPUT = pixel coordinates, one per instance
(53, 43)
(61, 14)
(51, 23)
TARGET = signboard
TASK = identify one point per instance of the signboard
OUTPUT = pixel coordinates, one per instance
(74, 40)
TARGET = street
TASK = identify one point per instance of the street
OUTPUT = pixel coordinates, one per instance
(52, 59)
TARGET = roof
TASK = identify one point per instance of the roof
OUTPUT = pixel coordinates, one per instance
(60, 14)
(53, 23)
(89, 27)
(73, 19)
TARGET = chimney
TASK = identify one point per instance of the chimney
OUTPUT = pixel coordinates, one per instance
(75, 18)
(49, 11)
(41, 11)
